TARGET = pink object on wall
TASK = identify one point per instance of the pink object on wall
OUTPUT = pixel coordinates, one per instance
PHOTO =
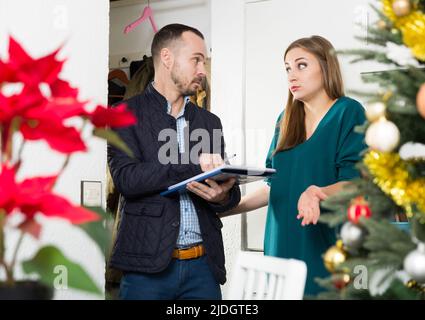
(147, 13)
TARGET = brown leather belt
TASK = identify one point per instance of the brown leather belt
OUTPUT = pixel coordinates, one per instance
(189, 253)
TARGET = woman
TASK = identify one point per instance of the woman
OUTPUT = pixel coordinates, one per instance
(314, 151)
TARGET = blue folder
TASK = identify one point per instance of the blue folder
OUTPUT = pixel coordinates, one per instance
(242, 174)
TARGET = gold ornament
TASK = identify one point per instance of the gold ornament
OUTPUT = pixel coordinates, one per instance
(375, 110)
(386, 96)
(381, 24)
(420, 101)
(412, 284)
(391, 175)
(335, 256)
(412, 27)
(401, 8)
(383, 135)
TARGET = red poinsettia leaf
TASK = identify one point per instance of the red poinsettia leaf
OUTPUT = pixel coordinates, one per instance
(17, 54)
(6, 110)
(60, 138)
(61, 88)
(37, 185)
(18, 107)
(6, 74)
(29, 99)
(30, 193)
(8, 188)
(31, 227)
(65, 108)
(32, 71)
(56, 206)
(112, 117)
(5, 119)
(4, 136)
(48, 68)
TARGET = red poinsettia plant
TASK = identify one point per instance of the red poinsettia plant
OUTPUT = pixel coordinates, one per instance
(38, 109)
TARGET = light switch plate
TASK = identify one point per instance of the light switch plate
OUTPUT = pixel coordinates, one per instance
(91, 193)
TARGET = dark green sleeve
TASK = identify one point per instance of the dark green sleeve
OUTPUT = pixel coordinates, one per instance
(273, 146)
(350, 143)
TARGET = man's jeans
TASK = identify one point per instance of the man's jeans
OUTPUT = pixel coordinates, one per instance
(183, 279)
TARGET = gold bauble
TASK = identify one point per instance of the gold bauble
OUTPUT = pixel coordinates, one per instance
(420, 101)
(375, 110)
(401, 8)
(381, 24)
(411, 284)
(334, 256)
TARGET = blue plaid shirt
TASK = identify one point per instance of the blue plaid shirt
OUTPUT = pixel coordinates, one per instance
(190, 232)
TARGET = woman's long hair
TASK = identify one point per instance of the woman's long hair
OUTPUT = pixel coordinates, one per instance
(292, 126)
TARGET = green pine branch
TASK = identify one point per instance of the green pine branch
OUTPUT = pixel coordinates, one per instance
(387, 244)
(366, 54)
(412, 127)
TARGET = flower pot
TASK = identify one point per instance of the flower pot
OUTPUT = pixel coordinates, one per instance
(26, 290)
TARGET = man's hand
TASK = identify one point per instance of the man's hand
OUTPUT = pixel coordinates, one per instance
(309, 205)
(214, 192)
(210, 161)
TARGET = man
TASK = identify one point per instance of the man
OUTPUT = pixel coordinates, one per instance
(171, 247)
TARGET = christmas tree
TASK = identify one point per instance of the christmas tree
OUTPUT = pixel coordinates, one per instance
(381, 216)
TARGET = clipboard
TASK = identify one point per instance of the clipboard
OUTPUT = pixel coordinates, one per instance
(242, 174)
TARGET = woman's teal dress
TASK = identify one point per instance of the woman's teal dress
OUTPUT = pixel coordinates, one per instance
(327, 157)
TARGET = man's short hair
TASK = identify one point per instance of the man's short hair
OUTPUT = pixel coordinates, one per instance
(169, 33)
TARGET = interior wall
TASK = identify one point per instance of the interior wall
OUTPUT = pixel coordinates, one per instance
(82, 28)
(227, 100)
(136, 43)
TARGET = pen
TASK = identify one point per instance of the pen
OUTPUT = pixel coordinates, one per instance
(226, 159)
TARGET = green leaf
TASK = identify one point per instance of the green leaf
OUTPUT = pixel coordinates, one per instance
(332, 220)
(113, 138)
(398, 290)
(97, 230)
(54, 270)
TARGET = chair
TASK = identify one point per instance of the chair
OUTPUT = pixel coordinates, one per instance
(259, 277)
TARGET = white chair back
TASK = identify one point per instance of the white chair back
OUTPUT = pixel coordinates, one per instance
(259, 277)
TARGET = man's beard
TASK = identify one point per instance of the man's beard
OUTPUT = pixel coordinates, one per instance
(184, 90)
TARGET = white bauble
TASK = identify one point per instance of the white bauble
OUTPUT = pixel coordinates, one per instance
(375, 110)
(352, 235)
(383, 136)
(414, 263)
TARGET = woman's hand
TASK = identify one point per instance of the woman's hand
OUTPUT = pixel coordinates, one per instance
(309, 205)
